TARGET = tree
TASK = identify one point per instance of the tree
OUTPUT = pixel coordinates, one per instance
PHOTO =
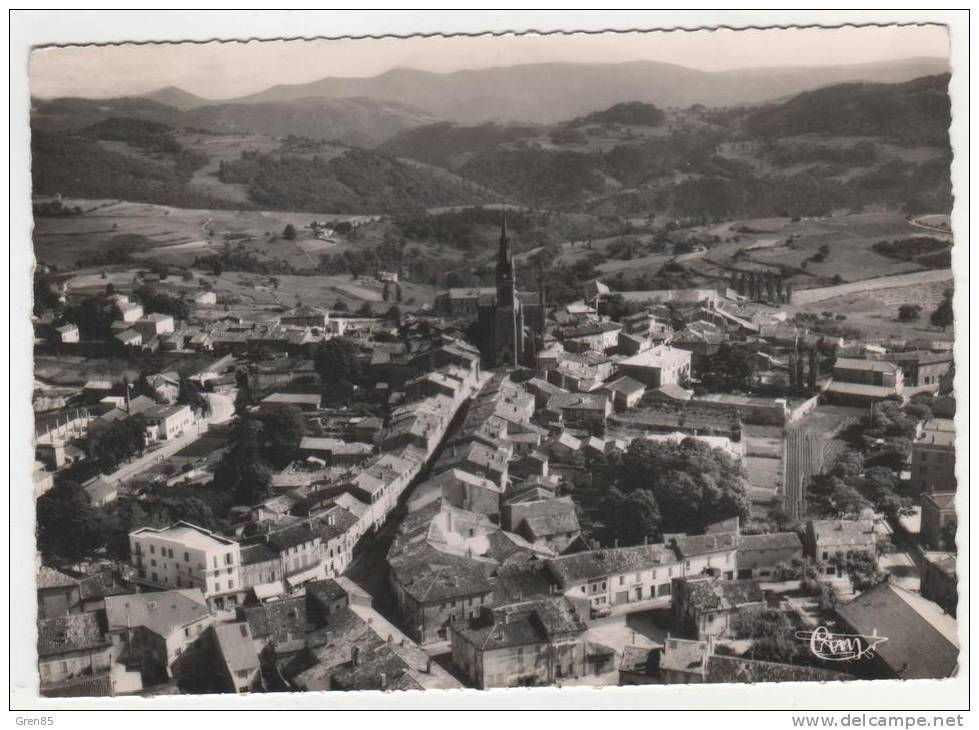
(191, 395)
(340, 306)
(630, 519)
(242, 472)
(730, 368)
(771, 633)
(281, 432)
(944, 315)
(120, 441)
(908, 312)
(289, 232)
(692, 483)
(67, 525)
(848, 498)
(337, 359)
(365, 310)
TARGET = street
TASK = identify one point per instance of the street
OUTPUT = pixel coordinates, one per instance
(222, 409)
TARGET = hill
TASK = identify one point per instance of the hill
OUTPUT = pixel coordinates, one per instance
(917, 112)
(541, 93)
(450, 145)
(360, 121)
(628, 112)
(176, 97)
(357, 181)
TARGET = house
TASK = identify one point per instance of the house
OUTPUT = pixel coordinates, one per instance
(165, 385)
(358, 649)
(920, 367)
(670, 393)
(625, 392)
(922, 640)
(860, 382)
(239, 663)
(825, 540)
(305, 316)
(715, 553)
(303, 401)
(72, 649)
(707, 606)
(335, 452)
(129, 312)
(154, 325)
(549, 523)
(154, 634)
(588, 411)
(760, 556)
(435, 590)
(187, 556)
(67, 334)
(933, 457)
(461, 489)
(206, 298)
(938, 520)
(615, 576)
(939, 580)
(475, 458)
(659, 366)
(57, 594)
(524, 644)
(165, 423)
(99, 492)
(130, 338)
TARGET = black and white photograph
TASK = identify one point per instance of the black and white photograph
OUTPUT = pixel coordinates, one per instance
(526, 361)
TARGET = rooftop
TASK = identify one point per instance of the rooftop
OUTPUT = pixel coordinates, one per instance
(161, 612)
(73, 632)
(874, 366)
(186, 534)
(922, 640)
(235, 644)
(658, 357)
(577, 567)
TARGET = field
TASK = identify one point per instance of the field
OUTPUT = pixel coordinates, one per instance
(173, 235)
(871, 306)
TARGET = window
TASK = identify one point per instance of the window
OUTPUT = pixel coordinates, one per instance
(687, 565)
(153, 562)
(187, 631)
(604, 585)
(155, 579)
(214, 560)
(170, 552)
(621, 580)
(231, 585)
(584, 589)
(186, 557)
(153, 549)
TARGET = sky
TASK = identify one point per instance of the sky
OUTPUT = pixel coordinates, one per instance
(226, 70)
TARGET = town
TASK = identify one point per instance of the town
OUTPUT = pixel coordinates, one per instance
(490, 490)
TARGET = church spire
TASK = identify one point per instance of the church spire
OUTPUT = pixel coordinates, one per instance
(504, 242)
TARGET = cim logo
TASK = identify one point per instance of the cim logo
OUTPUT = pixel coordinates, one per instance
(840, 647)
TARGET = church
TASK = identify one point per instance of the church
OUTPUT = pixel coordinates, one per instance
(511, 322)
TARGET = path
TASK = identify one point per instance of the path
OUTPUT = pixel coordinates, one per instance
(802, 297)
(222, 409)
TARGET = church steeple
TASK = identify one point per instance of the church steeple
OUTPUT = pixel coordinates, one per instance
(505, 285)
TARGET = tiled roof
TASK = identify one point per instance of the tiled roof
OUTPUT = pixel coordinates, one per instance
(93, 685)
(73, 632)
(521, 624)
(280, 621)
(160, 612)
(711, 594)
(730, 669)
(770, 541)
(922, 640)
(235, 644)
(690, 546)
(844, 533)
(574, 568)
(51, 578)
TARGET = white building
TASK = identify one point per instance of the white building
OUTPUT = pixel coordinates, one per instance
(129, 312)
(164, 423)
(186, 556)
(155, 325)
(205, 298)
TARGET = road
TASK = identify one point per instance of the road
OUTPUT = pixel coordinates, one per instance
(222, 409)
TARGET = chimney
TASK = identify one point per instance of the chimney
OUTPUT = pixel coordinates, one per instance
(428, 666)
(355, 656)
